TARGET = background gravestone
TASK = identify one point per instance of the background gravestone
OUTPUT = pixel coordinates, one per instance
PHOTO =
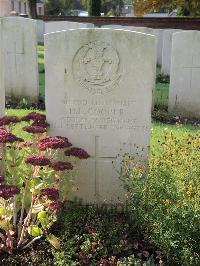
(2, 88)
(20, 51)
(184, 94)
(158, 33)
(167, 50)
(113, 26)
(99, 94)
(54, 26)
(40, 30)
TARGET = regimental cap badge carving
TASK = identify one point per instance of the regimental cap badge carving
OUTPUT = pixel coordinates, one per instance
(96, 67)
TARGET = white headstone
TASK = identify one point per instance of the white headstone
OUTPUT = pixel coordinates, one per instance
(184, 95)
(2, 88)
(158, 33)
(99, 94)
(167, 50)
(112, 26)
(54, 26)
(40, 31)
(21, 64)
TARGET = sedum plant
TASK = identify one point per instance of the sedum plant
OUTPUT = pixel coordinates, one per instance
(36, 175)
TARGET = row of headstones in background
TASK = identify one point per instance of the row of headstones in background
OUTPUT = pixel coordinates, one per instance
(19, 41)
(2, 87)
(20, 37)
(158, 33)
(163, 36)
(54, 26)
(99, 87)
(48, 27)
(184, 94)
(40, 31)
(167, 50)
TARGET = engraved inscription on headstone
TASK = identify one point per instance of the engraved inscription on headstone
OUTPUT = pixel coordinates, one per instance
(98, 114)
(96, 67)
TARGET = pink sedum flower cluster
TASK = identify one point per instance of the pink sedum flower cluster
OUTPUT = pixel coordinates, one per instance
(9, 119)
(51, 193)
(48, 142)
(35, 129)
(56, 205)
(34, 116)
(38, 160)
(62, 166)
(40, 124)
(77, 152)
(7, 137)
(8, 191)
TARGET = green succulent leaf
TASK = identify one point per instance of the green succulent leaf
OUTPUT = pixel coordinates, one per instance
(43, 218)
(54, 241)
(42, 215)
(3, 225)
(2, 211)
(34, 231)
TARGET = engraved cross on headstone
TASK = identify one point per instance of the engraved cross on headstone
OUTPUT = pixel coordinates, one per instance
(191, 68)
(16, 53)
(96, 159)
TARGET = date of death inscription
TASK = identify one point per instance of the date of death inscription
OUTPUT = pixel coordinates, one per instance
(99, 115)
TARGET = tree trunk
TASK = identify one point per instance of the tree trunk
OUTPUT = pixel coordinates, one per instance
(94, 8)
(33, 8)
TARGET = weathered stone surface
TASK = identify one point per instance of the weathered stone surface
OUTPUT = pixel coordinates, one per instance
(112, 26)
(40, 31)
(20, 51)
(99, 94)
(167, 50)
(158, 33)
(2, 87)
(184, 95)
(65, 25)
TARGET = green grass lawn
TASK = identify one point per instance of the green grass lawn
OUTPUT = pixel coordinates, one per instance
(161, 95)
(41, 69)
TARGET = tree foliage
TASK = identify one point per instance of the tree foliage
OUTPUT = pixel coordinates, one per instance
(94, 7)
(112, 7)
(53, 7)
(189, 7)
(108, 7)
